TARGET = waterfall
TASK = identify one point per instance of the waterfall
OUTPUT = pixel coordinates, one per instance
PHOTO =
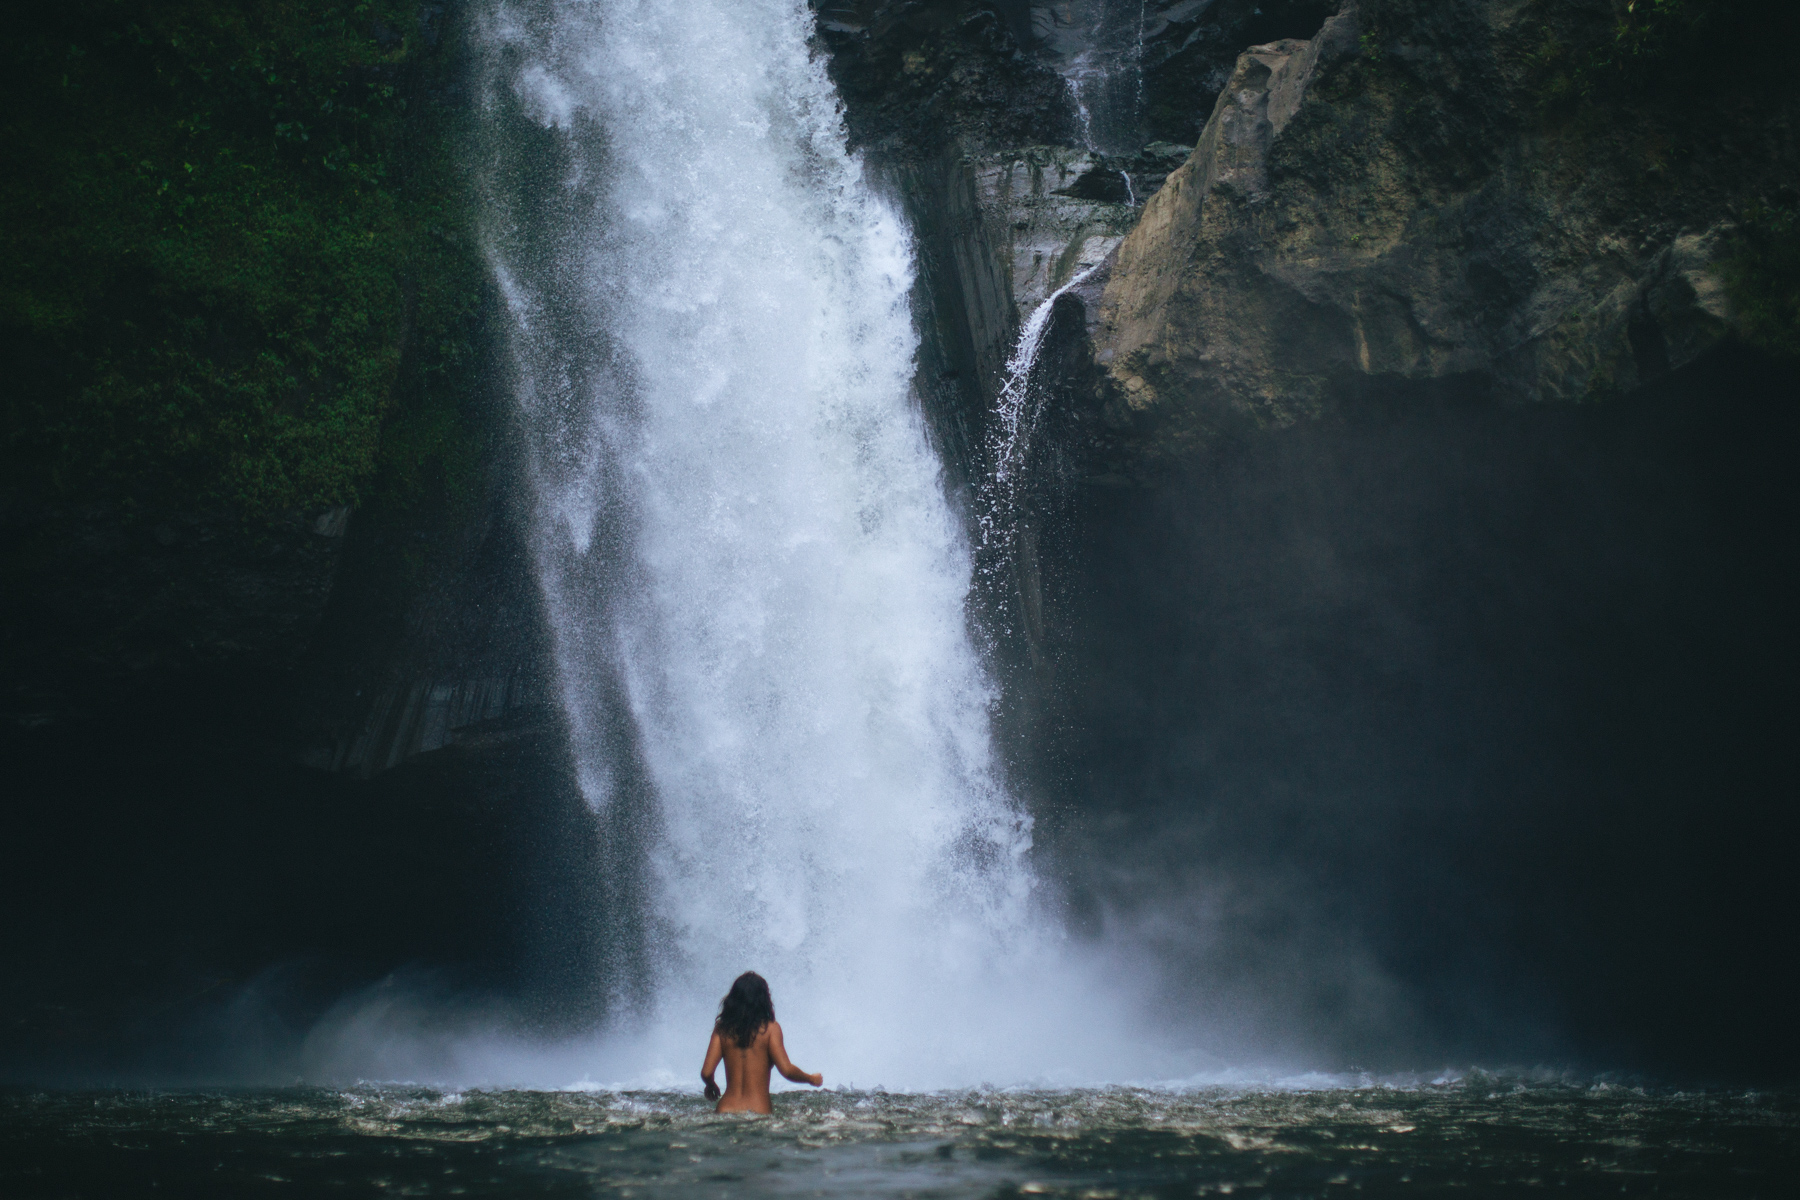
(1137, 58)
(1016, 413)
(1076, 80)
(754, 580)
(1099, 49)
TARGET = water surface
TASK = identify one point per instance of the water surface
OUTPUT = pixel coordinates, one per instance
(1474, 1136)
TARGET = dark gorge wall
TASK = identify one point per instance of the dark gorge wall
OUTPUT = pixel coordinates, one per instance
(1394, 713)
(277, 723)
(1447, 728)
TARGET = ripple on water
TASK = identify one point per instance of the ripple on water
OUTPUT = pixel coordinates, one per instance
(1481, 1135)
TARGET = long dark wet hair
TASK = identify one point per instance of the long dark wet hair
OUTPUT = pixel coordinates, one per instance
(745, 1009)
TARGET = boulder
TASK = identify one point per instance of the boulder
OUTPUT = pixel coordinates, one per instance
(1392, 199)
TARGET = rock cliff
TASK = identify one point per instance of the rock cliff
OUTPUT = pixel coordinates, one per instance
(1398, 199)
(1022, 140)
(1437, 702)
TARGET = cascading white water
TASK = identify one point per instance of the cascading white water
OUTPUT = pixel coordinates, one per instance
(754, 579)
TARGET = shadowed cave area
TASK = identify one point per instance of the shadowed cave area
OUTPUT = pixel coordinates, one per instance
(1445, 727)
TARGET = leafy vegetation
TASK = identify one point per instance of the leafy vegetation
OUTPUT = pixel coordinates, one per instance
(1659, 50)
(1647, 31)
(229, 263)
(1762, 276)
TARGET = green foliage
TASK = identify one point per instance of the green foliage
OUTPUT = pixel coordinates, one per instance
(1578, 62)
(1658, 51)
(223, 233)
(1762, 276)
(1656, 29)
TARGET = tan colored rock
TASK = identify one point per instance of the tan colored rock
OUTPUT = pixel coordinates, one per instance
(1389, 204)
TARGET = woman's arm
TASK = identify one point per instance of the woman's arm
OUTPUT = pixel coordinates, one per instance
(715, 1050)
(778, 1054)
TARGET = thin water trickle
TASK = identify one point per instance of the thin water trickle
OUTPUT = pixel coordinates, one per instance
(1100, 49)
(1137, 58)
(1017, 410)
(1075, 81)
(1011, 409)
(1016, 406)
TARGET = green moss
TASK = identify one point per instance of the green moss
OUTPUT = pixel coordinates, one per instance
(1578, 61)
(1657, 52)
(225, 261)
(1762, 277)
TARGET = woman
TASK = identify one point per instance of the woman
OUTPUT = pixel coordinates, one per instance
(748, 1038)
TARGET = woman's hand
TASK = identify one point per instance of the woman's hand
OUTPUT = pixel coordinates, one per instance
(816, 1080)
(715, 1050)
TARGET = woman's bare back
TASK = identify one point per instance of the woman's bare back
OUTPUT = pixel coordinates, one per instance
(747, 1070)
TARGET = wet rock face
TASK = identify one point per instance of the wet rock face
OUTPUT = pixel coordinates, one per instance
(963, 112)
(104, 599)
(1055, 211)
(1191, 46)
(920, 76)
(1387, 200)
(354, 640)
(433, 631)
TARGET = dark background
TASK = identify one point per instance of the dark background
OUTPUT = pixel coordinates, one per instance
(1446, 728)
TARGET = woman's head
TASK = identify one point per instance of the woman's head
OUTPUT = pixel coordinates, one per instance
(745, 1009)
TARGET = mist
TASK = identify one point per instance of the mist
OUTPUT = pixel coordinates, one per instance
(1448, 729)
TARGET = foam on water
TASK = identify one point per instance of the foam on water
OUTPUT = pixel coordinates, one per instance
(1487, 1136)
(754, 580)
